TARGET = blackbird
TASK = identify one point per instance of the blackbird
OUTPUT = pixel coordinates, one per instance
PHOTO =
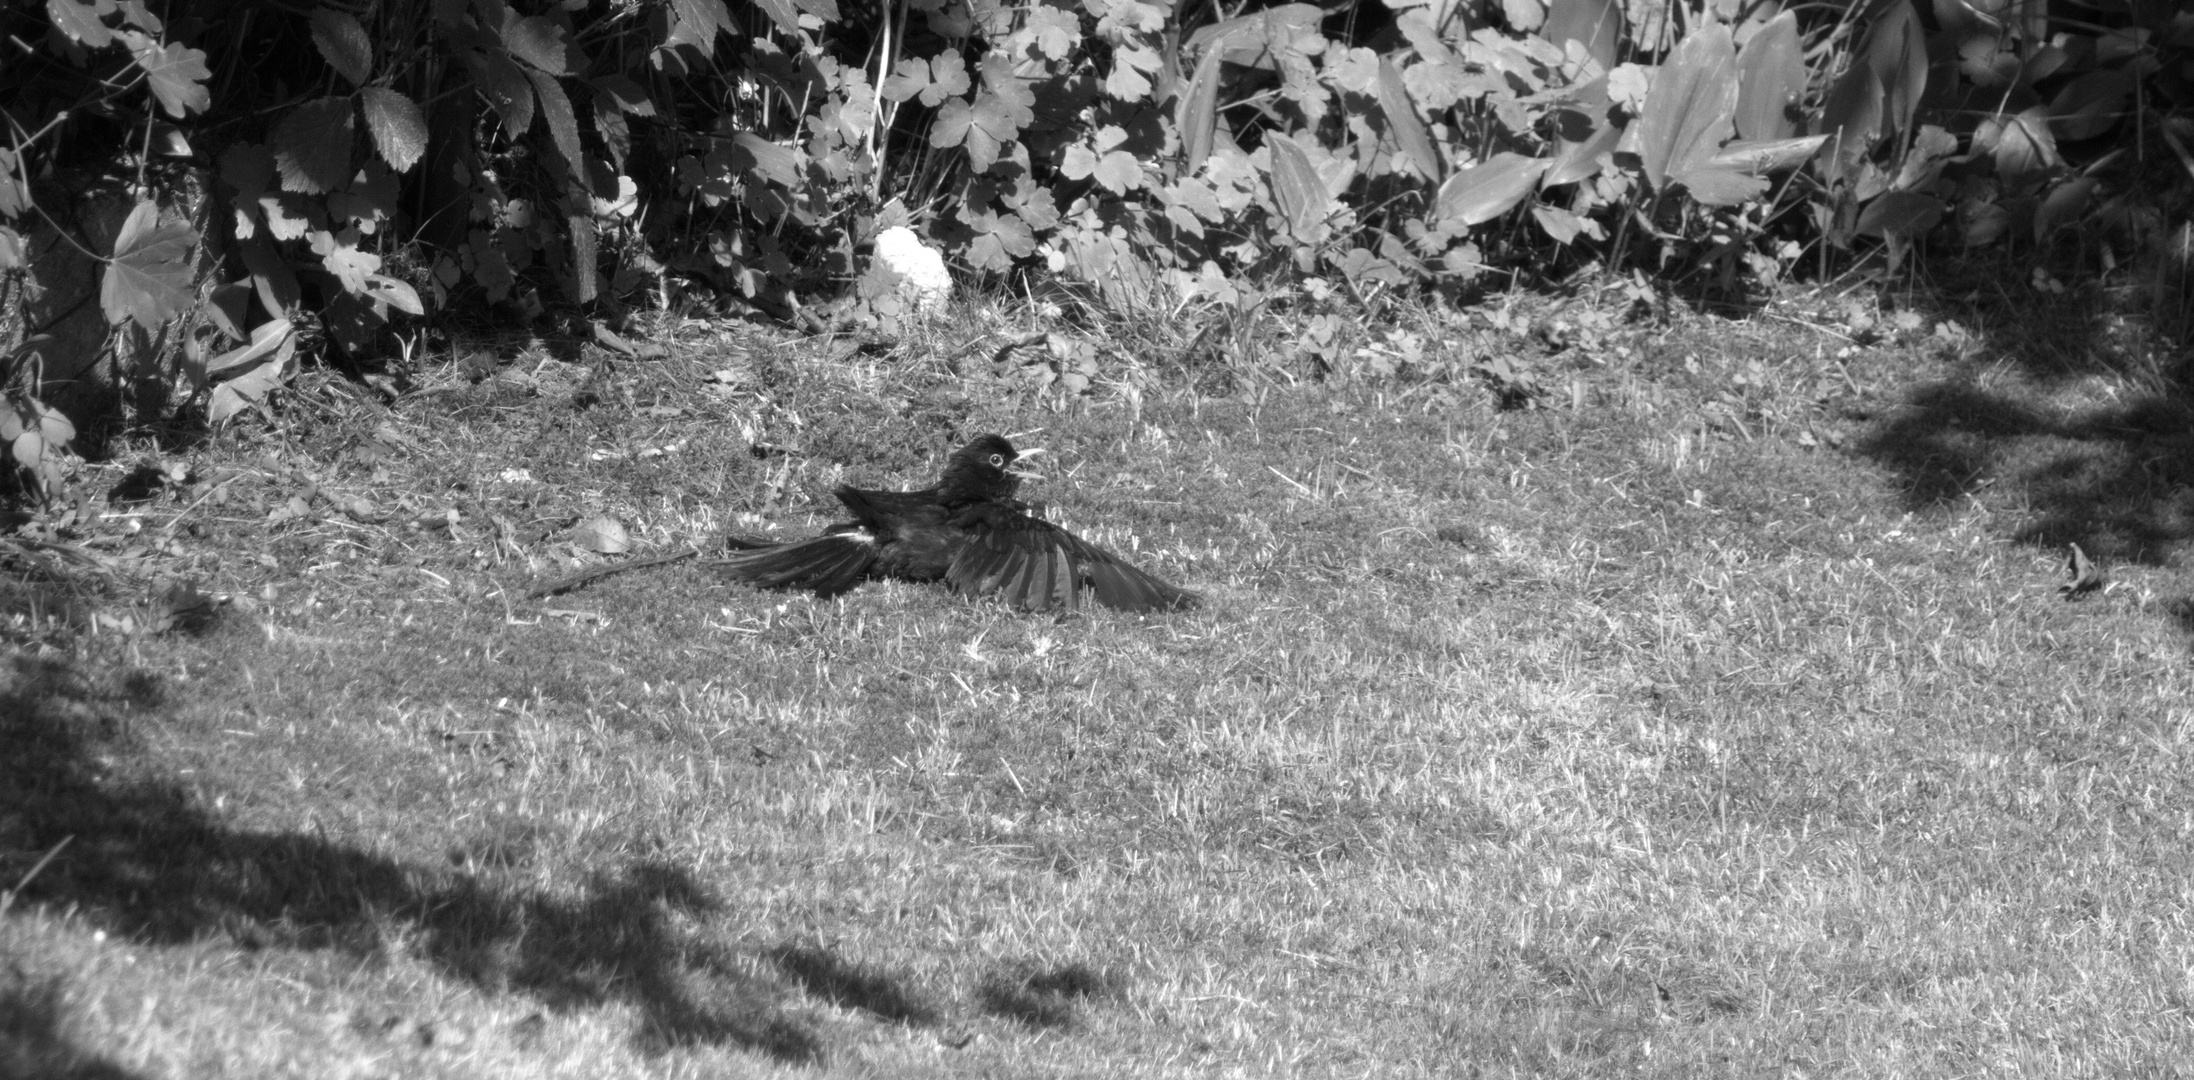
(967, 531)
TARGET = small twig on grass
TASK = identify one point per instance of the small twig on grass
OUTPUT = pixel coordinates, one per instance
(167, 532)
(573, 581)
(7, 899)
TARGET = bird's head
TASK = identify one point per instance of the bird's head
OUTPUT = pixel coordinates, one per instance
(984, 469)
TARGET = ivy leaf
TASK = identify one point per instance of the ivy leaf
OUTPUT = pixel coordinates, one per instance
(343, 43)
(178, 77)
(399, 129)
(312, 145)
(149, 277)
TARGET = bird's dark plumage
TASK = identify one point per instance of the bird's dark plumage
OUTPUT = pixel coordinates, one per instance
(968, 531)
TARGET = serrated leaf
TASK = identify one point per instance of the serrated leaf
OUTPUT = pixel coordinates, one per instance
(507, 89)
(782, 13)
(399, 129)
(537, 40)
(177, 75)
(343, 43)
(563, 126)
(149, 277)
(311, 145)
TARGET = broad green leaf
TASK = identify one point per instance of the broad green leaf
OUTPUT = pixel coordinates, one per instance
(343, 43)
(1762, 157)
(311, 145)
(1596, 24)
(1896, 50)
(226, 306)
(1689, 105)
(14, 193)
(2090, 105)
(1488, 189)
(1401, 118)
(1982, 222)
(765, 159)
(52, 425)
(11, 249)
(266, 338)
(1583, 159)
(149, 277)
(1906, 214)
(2063, 206)
(1297, 188)
(1852, 119)
(1719, 187)
(271, 277)
(399, 129)
(1771, 79)
(1197, 115)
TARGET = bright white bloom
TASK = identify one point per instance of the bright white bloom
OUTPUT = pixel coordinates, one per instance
(925, 285)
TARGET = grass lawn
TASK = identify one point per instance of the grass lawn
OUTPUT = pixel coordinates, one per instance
(1719, 718)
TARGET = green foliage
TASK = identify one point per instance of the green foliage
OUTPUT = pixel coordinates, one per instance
(362, 165)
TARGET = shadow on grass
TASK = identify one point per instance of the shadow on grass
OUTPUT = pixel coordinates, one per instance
(143, 861)
(32, 1042)
(2118, 481)
(1042, 997)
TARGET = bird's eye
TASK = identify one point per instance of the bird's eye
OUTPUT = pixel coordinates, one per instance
(998, 461)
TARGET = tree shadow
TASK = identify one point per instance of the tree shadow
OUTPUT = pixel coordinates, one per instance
(143, 861)
(2119, 481)
(32, 1040)
(2113, 470)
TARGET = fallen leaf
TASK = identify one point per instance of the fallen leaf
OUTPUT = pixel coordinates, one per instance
(602, 534)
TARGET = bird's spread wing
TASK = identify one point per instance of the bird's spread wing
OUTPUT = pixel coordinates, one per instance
(829, 564)
(1030, 563)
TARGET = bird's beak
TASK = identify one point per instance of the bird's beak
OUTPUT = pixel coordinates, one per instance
(1022, 457)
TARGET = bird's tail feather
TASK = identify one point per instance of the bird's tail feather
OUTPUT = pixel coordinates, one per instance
(827, 565)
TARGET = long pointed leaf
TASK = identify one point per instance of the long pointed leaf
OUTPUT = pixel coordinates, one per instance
(1688, 108)
(1770, 80)
(1401, 118)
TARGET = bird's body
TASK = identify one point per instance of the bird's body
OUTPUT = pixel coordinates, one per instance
(968, 531)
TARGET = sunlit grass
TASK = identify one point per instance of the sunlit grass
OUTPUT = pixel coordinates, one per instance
(1567, 742)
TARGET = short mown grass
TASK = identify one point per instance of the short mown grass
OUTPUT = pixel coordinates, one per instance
(1667, 731)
